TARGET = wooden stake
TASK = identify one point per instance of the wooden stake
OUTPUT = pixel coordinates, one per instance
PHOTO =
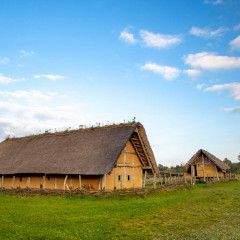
(99, 184)
(154, 180)
(28, 182)
(133, 172)
(145, 177)
(13, 182)
(80, 182)
(64, 183)
(71, 185)
(115, 178)
(204, 179)
(2, 181)
(124, 170)
(44, 181)
(55, 183)
(104, 182)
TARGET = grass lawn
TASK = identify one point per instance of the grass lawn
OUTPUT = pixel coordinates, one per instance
(199, 212)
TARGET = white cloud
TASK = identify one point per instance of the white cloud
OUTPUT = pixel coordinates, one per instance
(127, 37)
(236, 28)
(201, 86)
(206, 32)
(236, 109)
(159, 40)
(26, 112)
(7, 80)
(27, 95)
(24, 53)
(192, 72)
(235, 44)
(4, 60)
(233, 88)
(167, 72)
(210, 61)
(50, 76)
(214, 2)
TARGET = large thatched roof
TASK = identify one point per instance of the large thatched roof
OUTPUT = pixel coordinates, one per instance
(89, 152)
(223, 166)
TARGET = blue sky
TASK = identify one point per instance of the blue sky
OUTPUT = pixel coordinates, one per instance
(174, 65)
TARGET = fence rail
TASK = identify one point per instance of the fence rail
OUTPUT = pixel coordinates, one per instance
(166, 178)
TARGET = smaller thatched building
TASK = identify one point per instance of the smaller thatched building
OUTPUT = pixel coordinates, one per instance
(205, 165)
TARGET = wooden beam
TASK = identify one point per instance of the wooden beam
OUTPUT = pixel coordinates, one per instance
(149, 162)
(80, 181)
(28, 182)
(204, 178)
(191, 174)
(71, 185)
(217, 173)
(124, 171)
(154, 180)
(105, 182)
(134, 153)
(2, 185)
(64, 183)
(55, 183)
(13, 182)
(115, 178)
(99, 184)
(133, 172)
(44, 181)
(145, 177)
(128, 165)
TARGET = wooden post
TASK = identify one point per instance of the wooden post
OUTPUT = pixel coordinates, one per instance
(217, 173)
(99, 184)
(105, 182)
(55, 183)
(133, 172)
(71, 185)
(192, 174)
(124, 170)
(154, 180)
(204, 179)
(115, 178)
(164, 178)
(141, 178)
(28, 182)
(145, 177)
(2, 182)
(13, 182)
(44, 181)
(160, 179)
(64, 183)
(80, 181)
(185, 178)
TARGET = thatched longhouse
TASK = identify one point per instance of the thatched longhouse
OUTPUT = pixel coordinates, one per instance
(205, 165)
(101, 158)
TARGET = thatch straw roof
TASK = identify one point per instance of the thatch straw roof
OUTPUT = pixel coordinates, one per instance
(90, 152)
(223, 166)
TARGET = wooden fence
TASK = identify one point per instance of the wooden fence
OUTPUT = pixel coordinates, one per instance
(166, 178)
(163, 178)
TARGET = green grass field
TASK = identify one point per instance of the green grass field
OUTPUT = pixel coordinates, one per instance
(198, 212)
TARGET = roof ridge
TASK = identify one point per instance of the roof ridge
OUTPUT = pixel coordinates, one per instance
(81, 129)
